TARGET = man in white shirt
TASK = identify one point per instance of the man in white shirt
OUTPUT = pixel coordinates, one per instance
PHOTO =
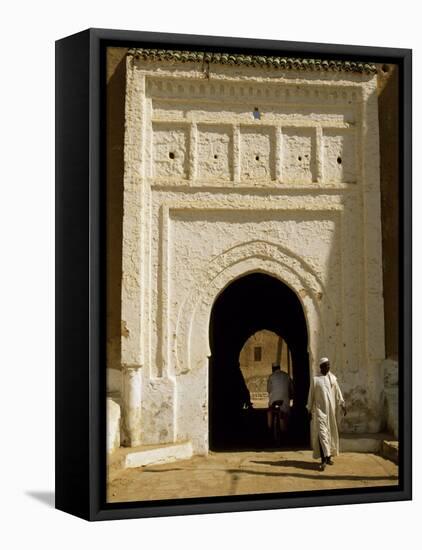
(324, 401)
(280, 389)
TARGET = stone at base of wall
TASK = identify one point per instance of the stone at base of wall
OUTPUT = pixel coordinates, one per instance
(158, 411)
(390, 450)
(362, 443)
(162, 454)
(391, 406)
(113, 425)
(391, 397)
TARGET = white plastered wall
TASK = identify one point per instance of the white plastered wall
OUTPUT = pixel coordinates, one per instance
(213, 192)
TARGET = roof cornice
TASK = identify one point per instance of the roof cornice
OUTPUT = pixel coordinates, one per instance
(270, 61)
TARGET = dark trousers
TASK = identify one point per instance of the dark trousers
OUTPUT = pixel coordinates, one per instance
(323, 458)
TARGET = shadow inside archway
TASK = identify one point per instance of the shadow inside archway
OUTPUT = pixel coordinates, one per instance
(254, 302)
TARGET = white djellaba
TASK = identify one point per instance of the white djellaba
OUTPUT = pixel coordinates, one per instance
(324, 400)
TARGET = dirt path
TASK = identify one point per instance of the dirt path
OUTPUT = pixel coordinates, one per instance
(241, 473)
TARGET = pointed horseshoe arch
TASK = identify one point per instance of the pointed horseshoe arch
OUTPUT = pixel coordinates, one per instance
(191, 345)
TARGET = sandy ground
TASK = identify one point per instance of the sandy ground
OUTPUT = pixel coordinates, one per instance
(240, 473)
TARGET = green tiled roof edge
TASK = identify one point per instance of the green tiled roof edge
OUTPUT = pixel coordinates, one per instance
(276, 62)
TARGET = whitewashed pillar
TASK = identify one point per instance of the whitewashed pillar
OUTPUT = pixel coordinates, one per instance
(131, 406)
(133, 247)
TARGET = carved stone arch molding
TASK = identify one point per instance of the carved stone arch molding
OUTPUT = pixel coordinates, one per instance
(191, 344)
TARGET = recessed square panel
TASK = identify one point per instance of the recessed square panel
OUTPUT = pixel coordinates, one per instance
(339, 155)
(214, 152)
(257, 155)
(299, 162)
(170, 151)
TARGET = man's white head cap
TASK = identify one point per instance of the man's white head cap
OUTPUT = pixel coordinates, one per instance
(323, 360)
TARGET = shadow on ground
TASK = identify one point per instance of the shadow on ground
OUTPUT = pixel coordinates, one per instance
(316, 477)
(45, 497)
(301, 464)
(286, 463)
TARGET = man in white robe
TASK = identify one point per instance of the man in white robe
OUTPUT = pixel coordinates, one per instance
(280, 390)
(324, 401)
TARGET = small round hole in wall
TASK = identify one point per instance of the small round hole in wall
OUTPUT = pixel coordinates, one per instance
(299, 158)
(339, 161)
(171, 155)
(216, 156)
(256, 157)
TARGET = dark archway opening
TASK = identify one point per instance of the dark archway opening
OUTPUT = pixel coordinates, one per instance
(252, 303)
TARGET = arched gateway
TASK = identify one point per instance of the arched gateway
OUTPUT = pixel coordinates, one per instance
(250, 304)
(253, 178)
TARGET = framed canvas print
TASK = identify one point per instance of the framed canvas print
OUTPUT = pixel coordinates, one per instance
(233, 274)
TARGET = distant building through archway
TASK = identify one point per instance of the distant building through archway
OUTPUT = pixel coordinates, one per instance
(254, 304)
(259, 352)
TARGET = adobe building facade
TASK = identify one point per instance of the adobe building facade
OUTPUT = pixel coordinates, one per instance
(263, 349)
(235, 166)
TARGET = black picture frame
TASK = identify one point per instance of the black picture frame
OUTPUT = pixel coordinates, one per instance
(80, 275)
